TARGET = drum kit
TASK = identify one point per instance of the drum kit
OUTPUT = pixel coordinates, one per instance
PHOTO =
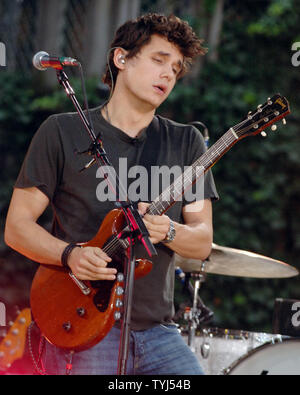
(235, 352)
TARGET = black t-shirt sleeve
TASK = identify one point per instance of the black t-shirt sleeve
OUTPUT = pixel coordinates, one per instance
(43, 163)
(205, 187)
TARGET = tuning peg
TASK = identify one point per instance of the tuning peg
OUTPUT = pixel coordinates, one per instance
(264, 134)
(274, 127)
(284, 121)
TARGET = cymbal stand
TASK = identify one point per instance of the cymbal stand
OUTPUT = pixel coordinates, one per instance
(194, 316)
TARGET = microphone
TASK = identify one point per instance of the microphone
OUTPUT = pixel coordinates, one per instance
(205, 131)
(42, 61)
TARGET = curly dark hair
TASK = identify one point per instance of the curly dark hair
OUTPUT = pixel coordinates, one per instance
(134, 34)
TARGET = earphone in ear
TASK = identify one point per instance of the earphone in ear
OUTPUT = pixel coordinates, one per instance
(121, 59)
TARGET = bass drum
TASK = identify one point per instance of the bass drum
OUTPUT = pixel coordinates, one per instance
(218, 348)
(269, 359)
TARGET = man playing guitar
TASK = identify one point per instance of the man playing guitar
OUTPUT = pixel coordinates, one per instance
(147, 57)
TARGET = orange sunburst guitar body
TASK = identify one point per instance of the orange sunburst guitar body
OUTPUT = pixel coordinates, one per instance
(75, 315)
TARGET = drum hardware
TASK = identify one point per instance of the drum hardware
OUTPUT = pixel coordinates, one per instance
(205, 347)
(205, 350)
(196, 315)
(223, 351)
(199, 313)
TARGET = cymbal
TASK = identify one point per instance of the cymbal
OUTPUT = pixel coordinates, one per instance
(233, 262)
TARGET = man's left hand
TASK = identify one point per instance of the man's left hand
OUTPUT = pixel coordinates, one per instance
(157, 225)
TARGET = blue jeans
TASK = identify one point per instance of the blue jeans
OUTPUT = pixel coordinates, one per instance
(159, 350)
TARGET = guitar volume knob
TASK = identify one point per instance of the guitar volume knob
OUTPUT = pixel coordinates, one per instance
(67, 326)
(80, 311)
(120, 277)
(119, 303)
(119, 291)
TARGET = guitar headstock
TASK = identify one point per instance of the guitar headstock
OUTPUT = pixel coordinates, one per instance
(13, 345)
(267, 114)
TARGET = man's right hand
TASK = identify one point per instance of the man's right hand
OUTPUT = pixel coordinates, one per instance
(24, 234)
(90, 263)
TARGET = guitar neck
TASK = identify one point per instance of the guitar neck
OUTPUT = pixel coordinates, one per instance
(174, 192)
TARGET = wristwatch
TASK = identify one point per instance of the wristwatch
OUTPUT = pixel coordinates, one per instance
(171, 233)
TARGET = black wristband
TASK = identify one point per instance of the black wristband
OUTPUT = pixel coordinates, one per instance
(66, 252)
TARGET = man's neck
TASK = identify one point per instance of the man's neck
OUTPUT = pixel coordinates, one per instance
(127, 115)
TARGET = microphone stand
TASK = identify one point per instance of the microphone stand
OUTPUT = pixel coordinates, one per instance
(136, 230)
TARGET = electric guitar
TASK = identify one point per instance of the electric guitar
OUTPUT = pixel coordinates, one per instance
(13, 345)
(74, 314)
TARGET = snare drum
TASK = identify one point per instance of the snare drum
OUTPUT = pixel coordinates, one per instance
(216, 348)
(269, 359)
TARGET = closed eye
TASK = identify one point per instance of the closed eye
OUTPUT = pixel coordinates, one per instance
(160, 61)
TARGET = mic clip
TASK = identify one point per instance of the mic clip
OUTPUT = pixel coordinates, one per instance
(93, 150)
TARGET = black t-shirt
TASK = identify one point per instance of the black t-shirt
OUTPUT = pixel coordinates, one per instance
(81, 200)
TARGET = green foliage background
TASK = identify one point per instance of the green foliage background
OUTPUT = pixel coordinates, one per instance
(257, 180)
